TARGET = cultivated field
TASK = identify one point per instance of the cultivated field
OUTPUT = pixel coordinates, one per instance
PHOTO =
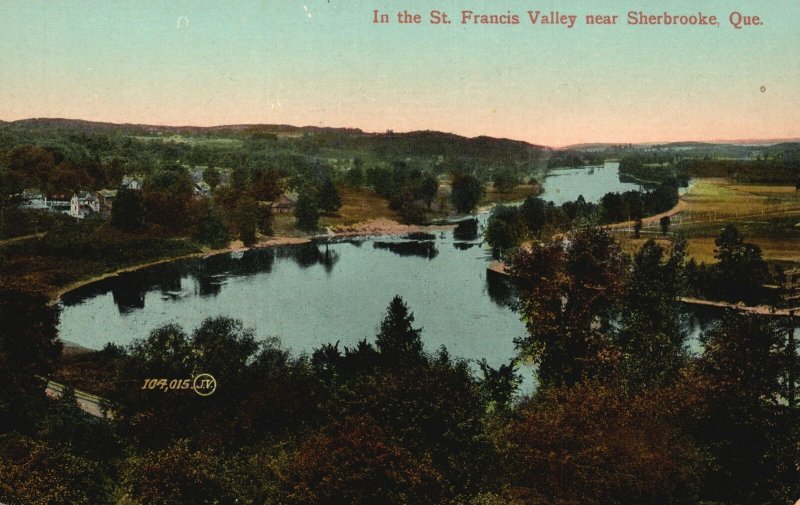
(767, 215)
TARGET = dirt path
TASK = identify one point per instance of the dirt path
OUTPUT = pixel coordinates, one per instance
(89, 403)
(678, 208)
(762, 310)
(20, 239)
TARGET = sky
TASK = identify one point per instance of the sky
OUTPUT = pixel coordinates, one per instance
(325, 63)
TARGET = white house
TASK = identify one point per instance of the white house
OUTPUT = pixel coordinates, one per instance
(83, 204)
(34, 199)
(132, 182)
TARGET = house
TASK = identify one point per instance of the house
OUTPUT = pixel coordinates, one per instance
(83, 204)
(197, 173)
(132, 182)
(285, 203)
(202, 188)
(33, 199)
(106, 198)
(59, 202)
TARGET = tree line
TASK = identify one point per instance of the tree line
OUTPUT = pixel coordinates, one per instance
(510, 226)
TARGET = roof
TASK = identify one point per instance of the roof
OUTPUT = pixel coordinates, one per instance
(286, 200)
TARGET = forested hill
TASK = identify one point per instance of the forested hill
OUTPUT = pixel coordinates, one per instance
(305, 138)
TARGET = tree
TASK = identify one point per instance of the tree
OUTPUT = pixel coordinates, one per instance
(398, 341)
(499, 384)
(355, 461)
(168, 196)
(306, 210)
(328, 196)
(264, 221)
(466, 193)
(740, 271)
(427, 189)
(533, 214)
(29, 346)
(355, 177)
(665, 222)
(568, 295)
(33, 473)
(504, 229)
(595, 443)
(127, 214)
(650, 334)
(504, 181)
(177, 474)
(222, 347)
(245, 218)
(265, 185)
(745, 422)
(637, 228)
(211, 228)
(212, 177)
(30, 166)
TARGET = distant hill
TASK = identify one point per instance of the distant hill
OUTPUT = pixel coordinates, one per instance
(394, 144)
(423, 142)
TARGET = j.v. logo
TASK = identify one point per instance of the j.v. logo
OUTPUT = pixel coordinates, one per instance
(204, 384)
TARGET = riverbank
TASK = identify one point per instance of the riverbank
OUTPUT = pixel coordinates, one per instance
(375, 227)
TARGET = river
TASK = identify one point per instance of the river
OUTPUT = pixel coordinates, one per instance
(327, 292)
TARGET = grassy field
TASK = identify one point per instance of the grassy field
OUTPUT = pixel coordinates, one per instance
(519, 193)
(767, 215)
(358, 206)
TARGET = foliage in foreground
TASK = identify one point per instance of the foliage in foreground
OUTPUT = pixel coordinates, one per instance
(622, 414)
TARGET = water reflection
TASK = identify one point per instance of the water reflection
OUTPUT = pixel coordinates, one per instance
(500, 289)
(199, 276)
(466, 230)
(310, 254)
(421, 249)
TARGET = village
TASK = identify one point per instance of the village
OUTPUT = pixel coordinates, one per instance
(99, 204)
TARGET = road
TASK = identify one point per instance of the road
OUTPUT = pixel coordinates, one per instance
(91, 404)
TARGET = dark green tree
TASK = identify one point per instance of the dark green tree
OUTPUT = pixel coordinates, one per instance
(637, 228)
(665, 223)
(245, 219)
(427, 189)
(212, 177)
(745, 422)
(740, 271)
(264, 221)
(168, 197)
(504, 230)
(211, 229)
(398, 341)
(127, 214)
(466, 192)
(29, 347)
(533, 213)
(499, 384)
(328, 196)
(504, 181)
(306, 210)
(650, 334)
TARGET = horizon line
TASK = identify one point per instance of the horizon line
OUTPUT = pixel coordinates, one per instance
(575, 145)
